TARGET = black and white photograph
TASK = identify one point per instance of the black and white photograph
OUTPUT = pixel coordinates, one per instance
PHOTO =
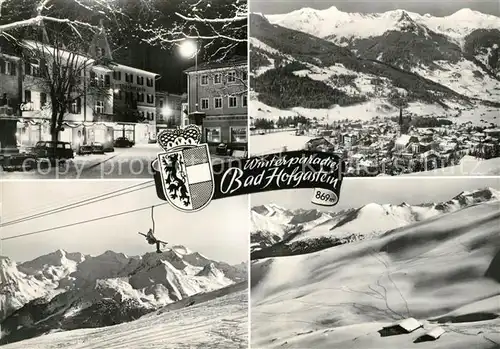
(106, 264)
(394, 87)
(398, 263)
(86, 86)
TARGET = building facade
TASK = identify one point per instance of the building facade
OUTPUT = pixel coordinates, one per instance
(124, 106)
(169, 110)
(219, 91)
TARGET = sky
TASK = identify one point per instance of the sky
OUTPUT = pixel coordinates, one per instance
(434, 7)
(356, 192)
(212, 231)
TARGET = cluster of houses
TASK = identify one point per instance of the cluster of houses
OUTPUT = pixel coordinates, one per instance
(372, 149)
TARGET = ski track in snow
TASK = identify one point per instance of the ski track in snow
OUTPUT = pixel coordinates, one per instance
(220, 323)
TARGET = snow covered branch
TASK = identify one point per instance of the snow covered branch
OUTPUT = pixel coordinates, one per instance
(35, 12)
(38, 20)
(218, 27)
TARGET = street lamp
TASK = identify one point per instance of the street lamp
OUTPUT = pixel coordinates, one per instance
(189, 49)
(166, 111)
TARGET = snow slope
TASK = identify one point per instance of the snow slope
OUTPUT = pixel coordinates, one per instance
(274, 142)
(342, 27)
(434, 270)
(217, 323)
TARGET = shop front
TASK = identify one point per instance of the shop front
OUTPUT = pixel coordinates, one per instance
(31, 131)
(230, 130)
(136, 132)
(124, 130)
(141, 134)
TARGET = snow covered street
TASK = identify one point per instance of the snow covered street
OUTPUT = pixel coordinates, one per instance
(132, 162)
(219, 323)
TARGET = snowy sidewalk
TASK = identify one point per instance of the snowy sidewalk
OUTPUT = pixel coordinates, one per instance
(68, 169)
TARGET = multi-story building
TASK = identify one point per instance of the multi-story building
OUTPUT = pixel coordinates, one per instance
(125, 105)
(219, 91)
(169, 110)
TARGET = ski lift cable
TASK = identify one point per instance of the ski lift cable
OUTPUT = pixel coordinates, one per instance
(153, 218)
(81, 222)
(81, 203)
(77, 204)
(50, 206)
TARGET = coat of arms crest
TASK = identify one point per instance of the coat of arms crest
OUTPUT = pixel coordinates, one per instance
(186, 169)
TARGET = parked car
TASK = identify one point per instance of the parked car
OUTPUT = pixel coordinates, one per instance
(122, 142)
(108, 147)
(53, 150)
(12, 159)
(221, 149)
(97, 148)
(85, 149)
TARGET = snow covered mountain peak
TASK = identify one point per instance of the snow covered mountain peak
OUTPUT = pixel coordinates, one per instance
(128, 287)
(182, 250)
(309, 229)
(171, 256)
(468, 14)
(8, 270)
(477, 196)
(339, 26)
(210, 270)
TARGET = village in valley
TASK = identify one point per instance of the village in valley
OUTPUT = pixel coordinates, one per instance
(387, 146)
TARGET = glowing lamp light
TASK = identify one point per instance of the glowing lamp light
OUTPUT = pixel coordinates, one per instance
(167, 111)
(188, 49)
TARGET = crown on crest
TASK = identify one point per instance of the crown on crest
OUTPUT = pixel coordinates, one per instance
(188, 136)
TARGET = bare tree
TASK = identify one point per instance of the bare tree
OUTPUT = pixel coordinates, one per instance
(63, 73)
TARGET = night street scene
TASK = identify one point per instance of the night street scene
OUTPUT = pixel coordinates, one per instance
(86, 86)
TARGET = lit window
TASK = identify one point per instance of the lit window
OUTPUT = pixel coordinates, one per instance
(213, 134)
(99, 107)
(238, 134)
(217, 79)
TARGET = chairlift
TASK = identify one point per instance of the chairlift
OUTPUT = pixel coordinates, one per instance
(150, 236)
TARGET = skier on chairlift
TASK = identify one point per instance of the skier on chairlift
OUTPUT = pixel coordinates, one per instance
(150, 238)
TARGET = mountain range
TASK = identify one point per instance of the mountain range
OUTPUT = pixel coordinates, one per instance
(65, 291)
(318, 62)
(277, 231)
